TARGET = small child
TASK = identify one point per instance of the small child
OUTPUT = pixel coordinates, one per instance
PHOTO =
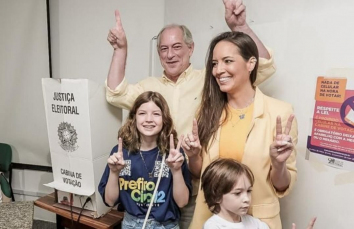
(227, 186)
(134, 165)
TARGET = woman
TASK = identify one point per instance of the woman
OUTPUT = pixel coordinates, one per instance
(236, 120)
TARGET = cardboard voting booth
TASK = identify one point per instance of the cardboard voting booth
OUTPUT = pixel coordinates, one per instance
(82, 129)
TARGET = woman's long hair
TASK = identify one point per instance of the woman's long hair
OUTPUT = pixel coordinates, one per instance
(214, 101)
(130, 134)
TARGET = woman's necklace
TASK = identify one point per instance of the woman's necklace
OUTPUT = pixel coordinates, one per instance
(149, 173)
(242, 111)
(240, 114)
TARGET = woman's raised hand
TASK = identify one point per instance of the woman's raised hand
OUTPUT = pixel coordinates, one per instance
(116, 161)
(282, 146)
(175, 157)
(116, 35)
(235, 13)
(191, 144)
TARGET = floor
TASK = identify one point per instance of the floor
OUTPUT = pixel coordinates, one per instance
(40, 224)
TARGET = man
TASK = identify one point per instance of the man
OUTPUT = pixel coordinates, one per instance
(180, 84)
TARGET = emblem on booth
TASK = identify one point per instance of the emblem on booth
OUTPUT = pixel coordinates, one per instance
(68, 137)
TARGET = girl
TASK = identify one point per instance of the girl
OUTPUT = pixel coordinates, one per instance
(134, 165)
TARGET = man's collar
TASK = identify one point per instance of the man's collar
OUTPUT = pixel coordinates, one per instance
(181, 76)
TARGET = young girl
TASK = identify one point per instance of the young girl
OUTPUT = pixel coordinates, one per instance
(134, 164)
(230, 197)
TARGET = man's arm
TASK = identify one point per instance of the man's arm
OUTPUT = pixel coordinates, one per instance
(118, 92)
(118, 40)
(235, 17)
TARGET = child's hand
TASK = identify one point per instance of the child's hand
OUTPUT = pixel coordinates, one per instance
(191, 144)
(175, 158)
(116, 161)
(309, 226)
(282, 146)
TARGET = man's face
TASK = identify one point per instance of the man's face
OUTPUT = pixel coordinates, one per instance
(174, 52)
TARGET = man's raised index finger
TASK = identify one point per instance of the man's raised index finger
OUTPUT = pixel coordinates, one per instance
(118, 21)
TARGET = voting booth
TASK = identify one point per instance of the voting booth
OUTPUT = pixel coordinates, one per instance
(82, 129)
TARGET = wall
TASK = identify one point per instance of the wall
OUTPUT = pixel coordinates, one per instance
(308, 38)
(23, 62)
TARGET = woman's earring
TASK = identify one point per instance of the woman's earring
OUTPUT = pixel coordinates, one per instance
(253, 62)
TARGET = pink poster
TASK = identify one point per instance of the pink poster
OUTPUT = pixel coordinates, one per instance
(332, 134)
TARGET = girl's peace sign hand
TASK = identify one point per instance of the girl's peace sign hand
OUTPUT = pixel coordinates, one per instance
(116, 161)
(191, 144)
(175, 157)
(282, 146)
(116, 35)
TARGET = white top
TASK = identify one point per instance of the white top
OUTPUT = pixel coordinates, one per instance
(247, 222)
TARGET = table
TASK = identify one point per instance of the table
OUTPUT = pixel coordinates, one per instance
(111, 220)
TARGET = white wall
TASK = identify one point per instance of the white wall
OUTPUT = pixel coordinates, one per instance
(23, 62)
(308, 38)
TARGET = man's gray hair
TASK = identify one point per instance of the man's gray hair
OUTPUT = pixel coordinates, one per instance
(187, 35)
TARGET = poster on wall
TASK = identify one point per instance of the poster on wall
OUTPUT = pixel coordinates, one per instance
(331, 139)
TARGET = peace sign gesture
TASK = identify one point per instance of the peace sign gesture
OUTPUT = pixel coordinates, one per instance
(116, 161)
(116, 35)
(175, 157)
(235, 13)
(191, 144)
(282, 146)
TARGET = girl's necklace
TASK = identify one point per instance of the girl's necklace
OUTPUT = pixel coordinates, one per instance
(149, 173)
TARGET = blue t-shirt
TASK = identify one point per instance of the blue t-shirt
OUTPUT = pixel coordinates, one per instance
(136, 187)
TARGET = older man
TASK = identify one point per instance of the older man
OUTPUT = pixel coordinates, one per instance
(180, 84)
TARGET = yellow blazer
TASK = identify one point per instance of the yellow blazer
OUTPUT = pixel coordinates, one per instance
(265, 203)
